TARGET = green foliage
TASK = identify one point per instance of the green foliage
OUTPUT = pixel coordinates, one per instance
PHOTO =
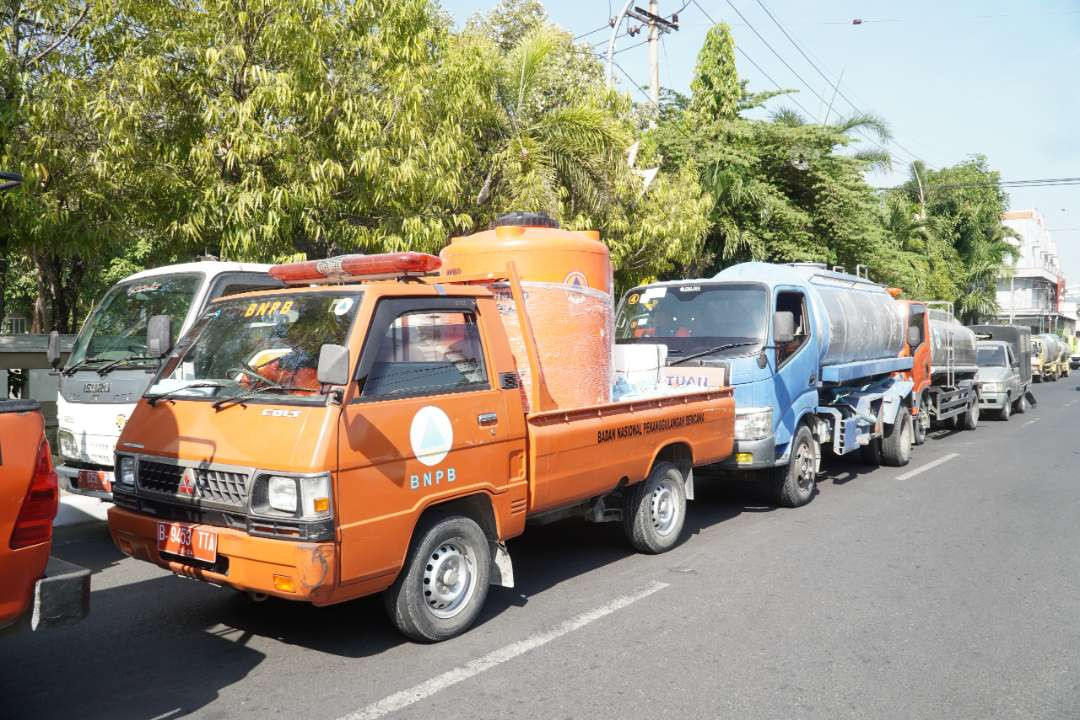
(715, 87)
(150, 131)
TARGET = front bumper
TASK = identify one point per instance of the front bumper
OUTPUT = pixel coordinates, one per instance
(244, 562)
(751, 455)
(61, 597)
(69, 477)
(993, 400)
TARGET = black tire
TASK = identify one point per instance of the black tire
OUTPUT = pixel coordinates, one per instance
(871, 453)
(896, 445)
(442, 549)
(1020, 406)
(918, 430)
(1036, 378)
(1006, 410)
(970, 419)
(796, 481)
(655, 510)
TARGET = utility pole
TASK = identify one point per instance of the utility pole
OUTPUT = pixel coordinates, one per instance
(654, 53)
(656, 25)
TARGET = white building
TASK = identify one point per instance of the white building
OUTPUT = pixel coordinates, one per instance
(1033, 292)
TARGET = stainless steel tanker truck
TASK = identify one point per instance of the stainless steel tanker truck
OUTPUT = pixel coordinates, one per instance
(810, 352)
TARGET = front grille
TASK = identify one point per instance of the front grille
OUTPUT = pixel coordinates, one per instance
(159, 477)
(222, 486)
(219, 486)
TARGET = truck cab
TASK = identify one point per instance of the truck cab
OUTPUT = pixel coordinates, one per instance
(110, 366)
(786, 336)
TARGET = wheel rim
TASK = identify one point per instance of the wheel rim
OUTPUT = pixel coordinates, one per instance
(449, 578)
(664, 507)
(804, 466)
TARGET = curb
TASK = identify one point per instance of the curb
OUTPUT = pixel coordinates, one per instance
(79, 510)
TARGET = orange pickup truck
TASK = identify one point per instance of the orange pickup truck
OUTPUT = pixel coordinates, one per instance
(36, 591)
(322, 443)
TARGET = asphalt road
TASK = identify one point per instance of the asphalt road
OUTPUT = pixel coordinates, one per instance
(946, 589)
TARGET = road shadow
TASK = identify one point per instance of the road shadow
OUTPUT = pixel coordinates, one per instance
(144, 652)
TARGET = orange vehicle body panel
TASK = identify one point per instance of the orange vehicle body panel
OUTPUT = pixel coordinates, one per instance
(919, 375)
(21, 434)
(518, 465)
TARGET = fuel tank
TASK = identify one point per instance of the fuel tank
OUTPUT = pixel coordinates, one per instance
(1054, 346)
(946, 330)
(856, 319)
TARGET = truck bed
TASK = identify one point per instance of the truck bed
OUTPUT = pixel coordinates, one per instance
(582, 453)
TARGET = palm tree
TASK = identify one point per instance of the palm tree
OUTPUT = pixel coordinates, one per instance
(545, 148)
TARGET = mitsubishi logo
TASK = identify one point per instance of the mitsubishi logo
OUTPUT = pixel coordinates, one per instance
(187, 483)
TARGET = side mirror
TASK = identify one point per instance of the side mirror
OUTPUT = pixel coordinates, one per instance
(159, 336)
(914, 336)
(52, 353)
(333, 365)
(783, 324)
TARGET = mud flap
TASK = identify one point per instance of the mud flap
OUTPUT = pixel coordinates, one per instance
(502, 570)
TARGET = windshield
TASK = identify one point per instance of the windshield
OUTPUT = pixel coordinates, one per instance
(693, 318)
(117, 328)
(992, 356)
(247, 345)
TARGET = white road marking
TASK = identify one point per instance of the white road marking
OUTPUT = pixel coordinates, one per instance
(416, 693)
(928, 466)
(1071, 403)
(1032, 421)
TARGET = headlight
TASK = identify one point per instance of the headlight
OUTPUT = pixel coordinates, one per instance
(126, 470)
(753, 423)
(281, 494)
(68, 447)
(991, 387)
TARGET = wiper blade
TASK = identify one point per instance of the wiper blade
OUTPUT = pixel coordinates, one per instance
(106, 369)
(155, 399)
(80, 365)
(252, 392)
(712, 350)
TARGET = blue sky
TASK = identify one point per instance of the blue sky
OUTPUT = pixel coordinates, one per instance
(951, 78)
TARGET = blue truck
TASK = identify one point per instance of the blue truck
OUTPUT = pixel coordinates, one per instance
(813, 355)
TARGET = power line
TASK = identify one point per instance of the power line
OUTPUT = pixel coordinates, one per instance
(836, 85)
(605, 26)
(798, 104)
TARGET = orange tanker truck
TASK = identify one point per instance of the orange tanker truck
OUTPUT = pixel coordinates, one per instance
(380, 428)
(944, 368)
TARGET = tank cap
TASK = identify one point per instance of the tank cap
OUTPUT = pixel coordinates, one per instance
(524, 219)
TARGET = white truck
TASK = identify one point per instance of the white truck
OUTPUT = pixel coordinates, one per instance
(110, 364)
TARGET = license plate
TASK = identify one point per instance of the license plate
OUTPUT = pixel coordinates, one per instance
(95, 480)
(190, 541)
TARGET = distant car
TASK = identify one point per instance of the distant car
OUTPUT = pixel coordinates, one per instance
(1001, 388)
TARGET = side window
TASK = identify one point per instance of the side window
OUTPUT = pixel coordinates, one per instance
(795, 303)
(917, 319)
(427, 353)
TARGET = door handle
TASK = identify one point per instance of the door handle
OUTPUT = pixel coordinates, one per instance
(813, 379)
(487, 419)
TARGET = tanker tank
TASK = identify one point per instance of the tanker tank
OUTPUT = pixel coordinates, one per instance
(946, 330)
(566, 277)
(862, 322)
(1055, 347)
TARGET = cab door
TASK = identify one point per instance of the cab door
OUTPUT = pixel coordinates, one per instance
(795, 366)
(427, 421)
